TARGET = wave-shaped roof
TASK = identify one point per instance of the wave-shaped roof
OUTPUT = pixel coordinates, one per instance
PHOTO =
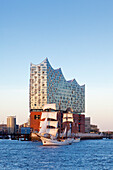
(58, 69)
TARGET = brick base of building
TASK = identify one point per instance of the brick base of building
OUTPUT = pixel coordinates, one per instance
(77, 126)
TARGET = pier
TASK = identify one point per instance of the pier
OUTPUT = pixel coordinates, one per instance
(22, 137)
(31, 137)
(86, 136)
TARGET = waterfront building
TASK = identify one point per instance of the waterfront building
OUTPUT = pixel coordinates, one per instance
(87, 125)
(3, 129)
(17, 128)
(35, 118)
(48, 85)
(79, 123)
(11, 124)
(94, 129)
(25, 130)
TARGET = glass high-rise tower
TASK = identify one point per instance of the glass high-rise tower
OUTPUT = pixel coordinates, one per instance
(48, 85)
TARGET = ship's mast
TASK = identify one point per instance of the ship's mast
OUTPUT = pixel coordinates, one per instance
(68, 119)
(59, 120)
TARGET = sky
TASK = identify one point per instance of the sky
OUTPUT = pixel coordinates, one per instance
(75, 35)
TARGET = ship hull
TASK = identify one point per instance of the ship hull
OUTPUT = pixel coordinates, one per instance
(50, 142)
(76, 140)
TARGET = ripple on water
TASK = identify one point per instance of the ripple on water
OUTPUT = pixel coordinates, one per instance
(88, 154)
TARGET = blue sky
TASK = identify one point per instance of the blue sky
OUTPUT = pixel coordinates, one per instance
(75, 35)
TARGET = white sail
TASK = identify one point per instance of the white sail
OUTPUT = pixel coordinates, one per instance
(41, 123)
(43, 126)
(50, 106)
(52, 115)
(70, 119)
(64, 133)
(49, 126)
(52, 132)
(67, 117)
(67, 120)
(44, 115)
(52, 123)
(64, 120)
(69, 133)
(49, 116)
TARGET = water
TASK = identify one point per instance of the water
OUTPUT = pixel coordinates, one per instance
(85, 155)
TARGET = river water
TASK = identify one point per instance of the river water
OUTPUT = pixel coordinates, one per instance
(85, 155)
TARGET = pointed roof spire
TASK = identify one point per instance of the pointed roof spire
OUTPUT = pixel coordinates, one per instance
(46, 60)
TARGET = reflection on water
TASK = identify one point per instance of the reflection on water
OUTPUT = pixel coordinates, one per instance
(88, 154)
(49, 146)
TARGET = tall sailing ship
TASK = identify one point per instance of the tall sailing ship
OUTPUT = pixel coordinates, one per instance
(49, 127)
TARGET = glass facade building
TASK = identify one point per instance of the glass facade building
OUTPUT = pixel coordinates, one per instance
(11, 124)
(48, 85)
